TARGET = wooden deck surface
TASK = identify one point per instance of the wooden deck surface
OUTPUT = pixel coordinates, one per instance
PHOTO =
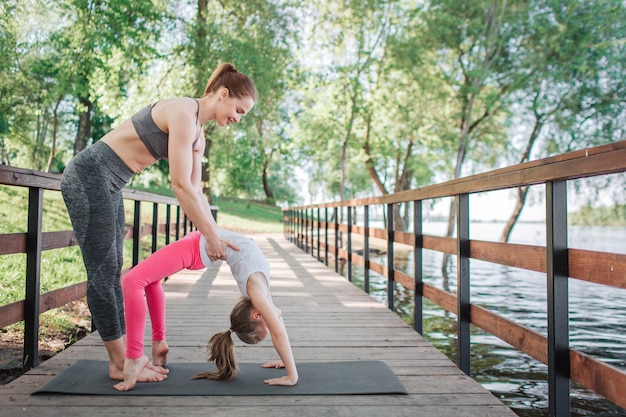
(328, 319)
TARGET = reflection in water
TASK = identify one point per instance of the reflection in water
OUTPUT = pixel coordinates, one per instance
(597, 318)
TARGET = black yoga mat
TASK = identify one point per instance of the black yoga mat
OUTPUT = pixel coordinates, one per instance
(89, 377)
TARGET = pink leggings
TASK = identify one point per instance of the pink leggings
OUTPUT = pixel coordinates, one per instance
(145, 278)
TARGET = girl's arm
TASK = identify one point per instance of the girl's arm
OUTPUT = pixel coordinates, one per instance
(258, 290)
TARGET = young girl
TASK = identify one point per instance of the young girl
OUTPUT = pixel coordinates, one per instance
(252, 318)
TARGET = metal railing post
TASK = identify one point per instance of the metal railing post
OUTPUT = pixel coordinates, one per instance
(326, 235)
(463, 282)
(137, 232)
(558, 305)
(33, 277)
(349, 245)
(155, 226)
(390, 261)
(418, 244)
(366, 249)
(336, 240)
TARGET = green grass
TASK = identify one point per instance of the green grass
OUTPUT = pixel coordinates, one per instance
(63, 267)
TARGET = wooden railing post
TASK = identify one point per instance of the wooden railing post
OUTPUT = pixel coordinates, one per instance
(558, 305)
(463, 282)
(33, 277)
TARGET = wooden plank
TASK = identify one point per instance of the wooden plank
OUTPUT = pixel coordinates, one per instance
(605, 159)
(602, 378)
(599, 267)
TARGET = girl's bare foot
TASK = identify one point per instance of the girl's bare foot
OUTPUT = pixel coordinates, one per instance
(135, 370)
(160, 349)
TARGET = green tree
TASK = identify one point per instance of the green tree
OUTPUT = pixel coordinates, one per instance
(256, 37)
(95, 33)
(574, 55)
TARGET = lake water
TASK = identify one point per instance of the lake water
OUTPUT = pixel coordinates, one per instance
(597, 316)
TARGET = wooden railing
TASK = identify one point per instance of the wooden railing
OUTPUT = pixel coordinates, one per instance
(308, 226)
(34, 241)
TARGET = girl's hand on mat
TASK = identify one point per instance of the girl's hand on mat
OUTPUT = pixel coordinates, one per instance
(277, 364)
(283, 380)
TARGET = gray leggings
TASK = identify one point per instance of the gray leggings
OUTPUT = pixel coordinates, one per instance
(92, 189)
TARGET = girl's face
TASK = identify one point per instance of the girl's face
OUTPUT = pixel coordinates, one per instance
(232, 109)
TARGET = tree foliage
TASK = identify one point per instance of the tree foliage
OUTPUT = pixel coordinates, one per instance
(356, 98)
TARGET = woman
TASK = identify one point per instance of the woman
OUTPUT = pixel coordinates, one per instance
(92, 189)
(252, 318)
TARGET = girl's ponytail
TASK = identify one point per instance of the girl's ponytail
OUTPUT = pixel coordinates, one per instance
(222, 351)
(222, 346)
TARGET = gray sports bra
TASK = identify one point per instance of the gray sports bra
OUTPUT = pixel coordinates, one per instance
(154, 138)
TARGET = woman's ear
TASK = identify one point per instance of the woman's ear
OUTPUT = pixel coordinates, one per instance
(255, 314)
(223, 93)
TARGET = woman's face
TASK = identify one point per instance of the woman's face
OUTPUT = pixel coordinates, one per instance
(232, 109)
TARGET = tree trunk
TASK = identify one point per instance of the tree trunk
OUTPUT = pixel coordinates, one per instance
(55, 130)
(84, 126)
(522, 192)
(206, 172)
(269, 195)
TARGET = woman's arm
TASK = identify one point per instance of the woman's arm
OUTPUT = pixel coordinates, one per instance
(186, 175)
(258, 290)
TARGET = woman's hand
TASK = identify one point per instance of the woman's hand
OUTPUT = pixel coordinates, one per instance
(216, 249)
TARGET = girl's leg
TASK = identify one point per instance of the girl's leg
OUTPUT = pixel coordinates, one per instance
(145, 278)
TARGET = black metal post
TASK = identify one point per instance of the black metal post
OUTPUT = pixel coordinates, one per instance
(558, 304)
(336, 241)
(366, 249)
(177, 222)
(155, 226)
(390, 261)
(463, 282)
(301, 228)
(318, 234)
(306, 231)
(326, 235)
(137, 232)
(168, 219)
(33, 278)
(349, 244)
(418, 244)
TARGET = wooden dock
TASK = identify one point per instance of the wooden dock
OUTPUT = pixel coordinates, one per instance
(328, 319)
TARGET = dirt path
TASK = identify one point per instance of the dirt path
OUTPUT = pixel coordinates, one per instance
(52, 339)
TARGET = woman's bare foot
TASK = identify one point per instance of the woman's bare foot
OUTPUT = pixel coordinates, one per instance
(160, 349)
(135, 370)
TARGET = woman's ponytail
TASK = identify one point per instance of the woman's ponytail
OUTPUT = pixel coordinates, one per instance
(238, 84)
